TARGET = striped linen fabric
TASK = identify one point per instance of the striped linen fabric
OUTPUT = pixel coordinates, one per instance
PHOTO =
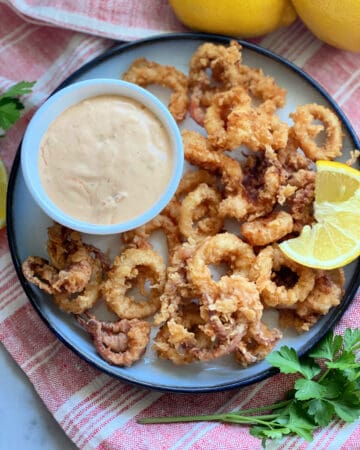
(95, 410)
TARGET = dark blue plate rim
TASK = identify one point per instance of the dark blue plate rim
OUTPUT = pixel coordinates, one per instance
(333, 317)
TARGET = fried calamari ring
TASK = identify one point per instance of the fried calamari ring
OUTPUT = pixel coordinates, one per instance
(144, 72)
(127, 267)
(211, 223)
(264, 231)
(223, 247)
(327, 293)
(134, 237)
(213, 68)
(188, 183)
(305, 131)
(119, 343)
(273, 274)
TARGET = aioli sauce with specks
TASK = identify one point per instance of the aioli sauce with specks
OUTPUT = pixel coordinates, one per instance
(105, 160)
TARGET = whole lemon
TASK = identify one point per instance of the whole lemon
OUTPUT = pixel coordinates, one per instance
(241, 18)
(336, 22)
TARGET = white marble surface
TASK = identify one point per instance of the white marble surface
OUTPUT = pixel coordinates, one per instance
(25, 421)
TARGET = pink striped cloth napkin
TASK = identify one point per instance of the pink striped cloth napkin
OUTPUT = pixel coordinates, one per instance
(95, 410)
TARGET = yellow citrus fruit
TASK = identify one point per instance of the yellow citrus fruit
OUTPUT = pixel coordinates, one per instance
(240, 18)
(3, 190)
(336, 22)
(334, 240)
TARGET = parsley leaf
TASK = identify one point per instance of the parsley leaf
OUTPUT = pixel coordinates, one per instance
(9, 114)
(328, 347)
(322, 411)
(21, 88)
(306, 389)
(287, 360)
(352, 339)
(10, 105)
(323, 393)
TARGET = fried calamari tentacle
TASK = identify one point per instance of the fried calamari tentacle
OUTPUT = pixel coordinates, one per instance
(269, 229)
(75, 273)
(210, 224)
(282, 283)
(219, 347)
(199, 152)
(224, 247)
(38, 271)
(256, 344)
(119, 343)
(183, 339)
(78, 302)
(144, 72)
(70, 256)
(235, 304)
(327, 293)
(305, 131)
(134, 237)
(126, 268)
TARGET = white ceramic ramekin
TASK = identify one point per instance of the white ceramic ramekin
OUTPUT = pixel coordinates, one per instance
(69, 96)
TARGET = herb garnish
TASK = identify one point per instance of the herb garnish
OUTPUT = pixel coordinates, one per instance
(10, 105)
(321, 393)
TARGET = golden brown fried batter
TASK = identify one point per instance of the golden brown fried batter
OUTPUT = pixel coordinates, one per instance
(144, 72)
(305, 131)
(264, 231)
(327, 293)
(209, 223)
(120, 343)
(134, 238)
(74, 273)
(127, 267)
(276, 288)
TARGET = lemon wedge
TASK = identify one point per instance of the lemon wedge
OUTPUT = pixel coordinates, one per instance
(334, 240)
(3, 190)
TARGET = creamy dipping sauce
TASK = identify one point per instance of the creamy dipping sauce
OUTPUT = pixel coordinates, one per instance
(105, 160)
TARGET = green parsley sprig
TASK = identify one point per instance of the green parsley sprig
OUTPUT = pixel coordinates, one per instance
(11, 106)
(327, 387)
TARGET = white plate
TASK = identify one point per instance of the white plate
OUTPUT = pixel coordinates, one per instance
(27, 224)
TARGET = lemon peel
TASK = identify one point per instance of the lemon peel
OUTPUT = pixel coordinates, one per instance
(240, 18)
(336, 22)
